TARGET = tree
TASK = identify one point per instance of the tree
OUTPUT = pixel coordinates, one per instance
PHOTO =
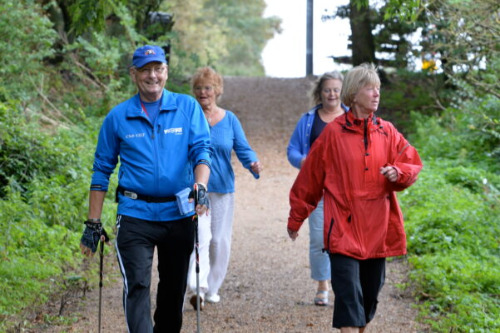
(228, 35)
(464, 36)
(372, 31)
(247, 35)
(362, 42)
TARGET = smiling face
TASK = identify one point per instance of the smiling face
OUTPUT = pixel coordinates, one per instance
(150, 80)
(366, 100)
(205, 94)
(330, 94)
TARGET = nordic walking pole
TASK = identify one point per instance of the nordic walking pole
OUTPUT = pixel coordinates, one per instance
(101, 259)
(197, 255)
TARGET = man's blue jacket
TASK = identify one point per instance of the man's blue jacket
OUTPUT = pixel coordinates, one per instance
(156, 159)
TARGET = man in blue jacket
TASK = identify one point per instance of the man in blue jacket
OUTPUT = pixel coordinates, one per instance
(162, 141)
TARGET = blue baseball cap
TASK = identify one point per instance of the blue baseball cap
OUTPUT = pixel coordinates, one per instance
(146, 54)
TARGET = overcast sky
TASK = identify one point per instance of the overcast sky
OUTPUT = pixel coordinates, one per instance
(285, 54)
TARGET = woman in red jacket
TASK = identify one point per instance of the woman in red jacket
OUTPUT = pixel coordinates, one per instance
(357, 164)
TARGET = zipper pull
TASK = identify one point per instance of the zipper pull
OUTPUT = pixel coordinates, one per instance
(153, 132)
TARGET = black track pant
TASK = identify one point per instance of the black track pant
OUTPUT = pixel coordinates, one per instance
(135, 242)
(356, 284)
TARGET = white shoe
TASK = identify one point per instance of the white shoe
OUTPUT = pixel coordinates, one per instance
(212, 298)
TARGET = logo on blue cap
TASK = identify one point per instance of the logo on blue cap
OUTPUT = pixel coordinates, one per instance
(146, 54)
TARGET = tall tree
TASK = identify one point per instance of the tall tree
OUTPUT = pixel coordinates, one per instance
(363, 45)
(373, 32)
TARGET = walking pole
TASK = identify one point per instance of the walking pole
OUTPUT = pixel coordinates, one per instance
(101, 259)
(197, 255)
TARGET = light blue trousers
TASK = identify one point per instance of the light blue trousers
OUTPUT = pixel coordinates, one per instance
(319, 260)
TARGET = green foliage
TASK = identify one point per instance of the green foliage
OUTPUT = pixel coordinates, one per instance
(91, 15)
(464, 36)
(42, 219)
(65, 80)
(227, 35)
(404, 10)
(23, 46)
(468, 136)
(33, 253)
(247, 34)
(407, 91)
(452, 216)
(452, 212)
(453, 245)
(26, 152)
(107, 60)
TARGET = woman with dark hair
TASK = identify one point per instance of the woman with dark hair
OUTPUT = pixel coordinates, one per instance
(326, 97)
(357, 165)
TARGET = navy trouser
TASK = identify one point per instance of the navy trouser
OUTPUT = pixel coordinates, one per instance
(135, 243)
(356, 285)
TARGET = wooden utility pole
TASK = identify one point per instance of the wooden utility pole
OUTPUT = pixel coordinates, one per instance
(309, 41)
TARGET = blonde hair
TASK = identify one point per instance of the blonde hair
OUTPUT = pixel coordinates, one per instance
(208, 75)
(318, 86)
(357, 78)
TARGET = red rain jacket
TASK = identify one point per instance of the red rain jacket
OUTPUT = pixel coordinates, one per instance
(362, 218)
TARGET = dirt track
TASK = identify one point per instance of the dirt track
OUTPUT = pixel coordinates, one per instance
(267, 288)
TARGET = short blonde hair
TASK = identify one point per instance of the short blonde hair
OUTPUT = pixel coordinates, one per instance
(208, 75)
(318, 86)
(357, 78)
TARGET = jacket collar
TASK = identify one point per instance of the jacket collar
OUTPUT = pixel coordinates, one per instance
(314, 109)
(168, 102)
(349, 122)
(320, 105)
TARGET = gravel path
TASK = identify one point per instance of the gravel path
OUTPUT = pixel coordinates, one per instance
(268, 288)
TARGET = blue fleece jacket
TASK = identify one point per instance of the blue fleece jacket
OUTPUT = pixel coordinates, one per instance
(156, 159)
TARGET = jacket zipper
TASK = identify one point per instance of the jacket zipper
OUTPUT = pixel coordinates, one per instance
(329, 234)
(366, 135)
(156, 148)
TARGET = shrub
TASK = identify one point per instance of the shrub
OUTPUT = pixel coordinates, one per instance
(452, 215)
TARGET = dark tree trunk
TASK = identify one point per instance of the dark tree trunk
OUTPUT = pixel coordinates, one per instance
(363, 45)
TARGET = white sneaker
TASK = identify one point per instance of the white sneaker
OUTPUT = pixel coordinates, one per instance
(215, 298)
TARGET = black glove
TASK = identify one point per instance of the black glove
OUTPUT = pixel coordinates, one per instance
(92, 234)
(202, 195)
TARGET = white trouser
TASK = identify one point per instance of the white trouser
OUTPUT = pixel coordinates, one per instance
(214, 235)
(204, 237)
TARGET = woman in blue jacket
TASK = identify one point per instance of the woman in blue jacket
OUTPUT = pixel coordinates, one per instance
(326, 96)
(215, 228)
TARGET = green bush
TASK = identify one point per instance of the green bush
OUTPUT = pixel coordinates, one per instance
(27, 152)
(45, 174)
(452, 215)
(453, 248)
(32, 252)
(23, 46)
(469, 135)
